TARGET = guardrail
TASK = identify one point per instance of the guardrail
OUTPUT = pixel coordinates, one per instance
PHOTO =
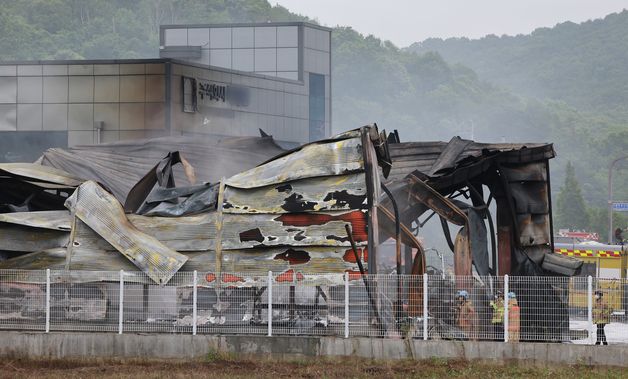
(512, 309)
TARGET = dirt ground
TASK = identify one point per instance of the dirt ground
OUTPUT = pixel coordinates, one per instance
(219, 366)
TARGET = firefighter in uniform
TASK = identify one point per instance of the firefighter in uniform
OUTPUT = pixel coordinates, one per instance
(513, 318)
(601, 317)
(498, 316)
(465, 314)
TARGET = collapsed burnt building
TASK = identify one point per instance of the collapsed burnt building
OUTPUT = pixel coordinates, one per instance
(249, 207)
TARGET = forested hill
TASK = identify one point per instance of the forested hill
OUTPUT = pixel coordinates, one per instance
(581, 64)
(424, 95)
(105, 29)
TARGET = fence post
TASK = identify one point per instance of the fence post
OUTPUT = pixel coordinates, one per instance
(425, 316)
(590, 306)
(346, 305)
(194, 301)
(505, 308)
(47, 300)
(270, 303)
(121, 303)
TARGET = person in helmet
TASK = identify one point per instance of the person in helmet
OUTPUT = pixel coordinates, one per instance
(514, 319)
(601, 317)
(498, 316)
(465, 314)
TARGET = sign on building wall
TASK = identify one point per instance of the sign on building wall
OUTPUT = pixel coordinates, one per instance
(207, 93)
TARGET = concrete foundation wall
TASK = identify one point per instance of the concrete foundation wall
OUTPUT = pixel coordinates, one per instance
(105, 345)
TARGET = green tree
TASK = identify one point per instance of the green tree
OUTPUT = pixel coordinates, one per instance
(571, 211)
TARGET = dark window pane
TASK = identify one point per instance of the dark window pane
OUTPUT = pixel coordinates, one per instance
(317, 107)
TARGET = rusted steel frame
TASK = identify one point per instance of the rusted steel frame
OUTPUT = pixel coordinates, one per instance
(397, 247)
(364, 278)
(405, 232)
(397, 228)
(373, 225)
(219, 225)
(370, 195)
(419, 258)
(415, 290)
(452, 196)
(549, 203)
(446, 209)
(425, 194)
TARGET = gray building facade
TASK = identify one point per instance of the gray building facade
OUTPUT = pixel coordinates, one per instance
(210, 79)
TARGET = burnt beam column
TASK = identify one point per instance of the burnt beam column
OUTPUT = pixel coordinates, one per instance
(504, 236)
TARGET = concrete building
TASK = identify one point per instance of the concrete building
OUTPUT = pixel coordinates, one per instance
(211, 79)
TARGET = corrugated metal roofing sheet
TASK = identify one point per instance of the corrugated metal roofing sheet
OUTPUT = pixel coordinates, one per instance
(118, 166)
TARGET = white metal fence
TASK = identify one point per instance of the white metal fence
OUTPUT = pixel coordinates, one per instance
(514, 309)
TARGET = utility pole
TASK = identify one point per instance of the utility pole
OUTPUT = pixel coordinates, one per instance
(610, 198)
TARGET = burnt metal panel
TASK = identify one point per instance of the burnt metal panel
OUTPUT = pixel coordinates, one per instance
(530, 197)
(51, 258)
(118, 166)
(449, 156)
(305, 259)
(528, 186)
(242, 231)
(333, 193)
(533, 229)
(54, 220)
(313, 160)
(528, 173)
(25, 238)
(40, 175)
(104, 214)
(189, 233)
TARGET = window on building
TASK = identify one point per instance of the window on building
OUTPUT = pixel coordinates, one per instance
(317, 107)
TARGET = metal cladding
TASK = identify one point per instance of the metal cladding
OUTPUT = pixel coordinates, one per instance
(326, 158)
(46, 177)
(289, 212)
(104, 214)
(120, 165)
(54, 220)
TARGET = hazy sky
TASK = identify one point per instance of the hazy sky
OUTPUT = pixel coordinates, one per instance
(408, 21)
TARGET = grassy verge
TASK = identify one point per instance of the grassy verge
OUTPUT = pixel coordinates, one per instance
(230, 366)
